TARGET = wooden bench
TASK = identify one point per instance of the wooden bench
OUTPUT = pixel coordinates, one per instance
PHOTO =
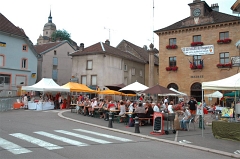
(119, 117)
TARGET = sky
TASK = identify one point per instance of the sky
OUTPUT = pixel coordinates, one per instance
(92, 21)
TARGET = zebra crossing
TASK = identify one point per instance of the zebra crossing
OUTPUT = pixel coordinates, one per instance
(78, 134)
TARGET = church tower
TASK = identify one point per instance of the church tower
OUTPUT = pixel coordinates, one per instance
(48, 29)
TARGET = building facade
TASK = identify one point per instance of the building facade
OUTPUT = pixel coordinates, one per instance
(142, 53)
(54, 61)
(198, 49)
(18, 59)
(101, 64)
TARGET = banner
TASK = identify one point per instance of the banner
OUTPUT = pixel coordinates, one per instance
(198, 50)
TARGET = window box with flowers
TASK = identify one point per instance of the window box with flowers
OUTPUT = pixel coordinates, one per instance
(168, 68)
(224, 41)
(196, 43)
(193, 67)
(227, 65)
(171, 47)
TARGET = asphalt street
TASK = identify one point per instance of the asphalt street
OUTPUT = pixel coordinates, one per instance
(50, 134)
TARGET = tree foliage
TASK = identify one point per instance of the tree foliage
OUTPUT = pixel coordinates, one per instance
(61, 35)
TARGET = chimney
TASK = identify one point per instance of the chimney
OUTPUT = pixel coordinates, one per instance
(107, 42)
(215, 7)
(81, 48)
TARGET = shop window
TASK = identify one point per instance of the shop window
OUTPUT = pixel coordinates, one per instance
(172, 41)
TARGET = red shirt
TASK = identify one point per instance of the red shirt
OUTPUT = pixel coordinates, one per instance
(111, 105)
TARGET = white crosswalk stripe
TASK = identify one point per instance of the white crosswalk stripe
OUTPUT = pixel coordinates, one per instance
(63, 139)
(36, 141)
(13, 148)
(104, 135)
(84, 137)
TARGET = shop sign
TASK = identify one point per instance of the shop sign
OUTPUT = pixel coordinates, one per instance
(2, 44)
(198, 50)
(235, 60)
(197, 76)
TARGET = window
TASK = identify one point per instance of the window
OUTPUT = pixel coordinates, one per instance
(224, 58)
(89, 64)
(141, 73)
(46, 32)
(133, 71)
(84, 80)
(1, 60)
(54, 75)
(172, 41)
(125, 67)
(197, 38)
(24, 63)
(223, 35)
(25, 48)
(55, 52)
(93, 80)
(55, 61)
(172, 61)
(197, 60)
(4, 79)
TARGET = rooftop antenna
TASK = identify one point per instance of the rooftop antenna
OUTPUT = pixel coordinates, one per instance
(108, 32)
(153, 22)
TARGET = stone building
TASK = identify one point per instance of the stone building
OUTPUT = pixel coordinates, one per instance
(198, 48)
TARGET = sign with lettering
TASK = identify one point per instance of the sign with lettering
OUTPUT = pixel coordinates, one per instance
(157, 122)
(198, 50)
(235, 60)
(2, 44)
(197, 76)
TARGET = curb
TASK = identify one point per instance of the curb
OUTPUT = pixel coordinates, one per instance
(153, 138)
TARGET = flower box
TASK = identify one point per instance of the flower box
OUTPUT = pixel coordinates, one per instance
(199, 66)
(174, 68)
(171, 47)
(168, 68)
(224, 41)
(196, 43)
(227, 65)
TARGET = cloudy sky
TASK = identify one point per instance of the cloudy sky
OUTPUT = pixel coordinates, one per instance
(92, 21)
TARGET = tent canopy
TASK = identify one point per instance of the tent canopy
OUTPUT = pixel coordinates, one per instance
(136, 86)
(230, 83)
(115, 87)
(216, 94)
(76, 87)
(110, 92)
(157, 89)
(180, 93)
(46, 84)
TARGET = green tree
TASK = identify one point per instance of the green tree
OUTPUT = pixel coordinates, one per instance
(61, 34)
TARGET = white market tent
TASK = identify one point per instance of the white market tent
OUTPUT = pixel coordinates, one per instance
(136, 86)
(46, 84)
(230, 83)
(180, 93)
(216, 94)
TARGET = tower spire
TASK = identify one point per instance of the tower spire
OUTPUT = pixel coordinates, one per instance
(50, 17)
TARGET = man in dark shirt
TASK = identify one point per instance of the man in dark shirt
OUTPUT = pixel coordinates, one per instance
(192, 106)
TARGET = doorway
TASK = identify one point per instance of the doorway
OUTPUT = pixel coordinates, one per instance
(196, 91)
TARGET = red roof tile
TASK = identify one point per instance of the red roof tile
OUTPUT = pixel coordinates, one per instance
(41, 48)
(8, 27)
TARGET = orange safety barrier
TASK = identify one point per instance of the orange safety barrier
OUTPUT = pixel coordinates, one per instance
(17, 105)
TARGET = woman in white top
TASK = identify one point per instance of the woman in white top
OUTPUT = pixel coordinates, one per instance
(170, 110)
(25, 101)
(156, 108)
(122, 108)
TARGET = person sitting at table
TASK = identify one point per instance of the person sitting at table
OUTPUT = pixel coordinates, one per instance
(149, 110)
(93, 105)
(155, 108)
(140, 112)
(185, 120)
(122, 108)
(86, 105)
(130, 106)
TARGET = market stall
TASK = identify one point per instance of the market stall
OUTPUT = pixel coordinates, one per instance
(230, 83)
(45, 85)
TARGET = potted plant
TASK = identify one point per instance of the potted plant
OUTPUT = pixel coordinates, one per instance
(199, 66)
(174, 68)
(224, 41)
(196, 43)
(171, 46)
(168, 68)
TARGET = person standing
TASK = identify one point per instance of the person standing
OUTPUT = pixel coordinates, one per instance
(25, 101)
(192, 106)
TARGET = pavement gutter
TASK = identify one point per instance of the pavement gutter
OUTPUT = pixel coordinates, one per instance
(60, 114)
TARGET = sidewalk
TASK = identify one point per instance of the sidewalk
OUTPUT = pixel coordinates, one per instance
(198, 137)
